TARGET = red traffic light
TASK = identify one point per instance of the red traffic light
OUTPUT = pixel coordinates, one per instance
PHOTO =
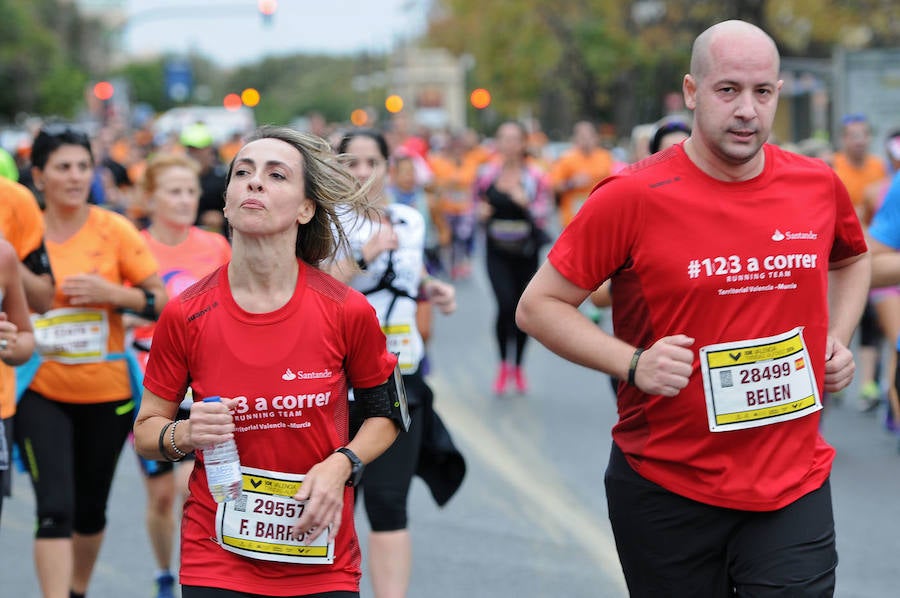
(268, 7)
(104, 90)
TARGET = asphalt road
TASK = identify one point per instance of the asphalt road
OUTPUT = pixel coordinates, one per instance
(530, 520)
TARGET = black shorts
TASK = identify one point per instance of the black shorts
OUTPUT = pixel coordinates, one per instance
(673, 546)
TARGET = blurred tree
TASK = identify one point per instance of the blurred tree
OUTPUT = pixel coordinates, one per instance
(40, 70)
(292, 86)
(615, 61)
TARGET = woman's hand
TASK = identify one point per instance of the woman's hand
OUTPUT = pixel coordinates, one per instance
(441, 294)
(384, 239)
(322, 493)
(211, 423)
(88, 289)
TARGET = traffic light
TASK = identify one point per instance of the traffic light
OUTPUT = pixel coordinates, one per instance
(232, 102)
(250, 97)
(480, 98)
(393, 104)
(267, 10)
(104, 90)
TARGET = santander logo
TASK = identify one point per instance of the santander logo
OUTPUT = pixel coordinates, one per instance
(288, 375)
(791, 236)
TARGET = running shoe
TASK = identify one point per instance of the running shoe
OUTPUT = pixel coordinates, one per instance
(165, 586)
(502, 378)
(869, 397)
(521, 382)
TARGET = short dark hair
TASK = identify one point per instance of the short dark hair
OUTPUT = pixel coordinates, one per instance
(53, 136)
(672, 126)
(372, 134)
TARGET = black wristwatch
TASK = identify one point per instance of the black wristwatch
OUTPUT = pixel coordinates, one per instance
(357, 470)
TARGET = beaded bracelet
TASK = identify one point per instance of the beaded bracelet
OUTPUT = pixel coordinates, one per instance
(181, 454)
(162, 446)
(632, 368)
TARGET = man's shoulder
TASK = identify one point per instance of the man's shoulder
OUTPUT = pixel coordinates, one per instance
(786, 159)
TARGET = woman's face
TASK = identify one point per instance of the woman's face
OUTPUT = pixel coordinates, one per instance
(510, 141)
(265, 194)
(176, 197)
(65, 179)
(366, 161)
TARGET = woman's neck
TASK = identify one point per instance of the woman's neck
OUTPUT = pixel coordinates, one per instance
(62, 223)
(169, 235)
(263, 273)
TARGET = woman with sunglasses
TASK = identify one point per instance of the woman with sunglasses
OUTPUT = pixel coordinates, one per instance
(77, 411)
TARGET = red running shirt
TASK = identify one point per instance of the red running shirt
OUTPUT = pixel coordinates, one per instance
(326, 337)
(719, 262)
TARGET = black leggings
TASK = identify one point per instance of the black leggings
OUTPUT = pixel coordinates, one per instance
(509, 276)
(199, 592)
(386, 480)
(6, 474)
(71, 451)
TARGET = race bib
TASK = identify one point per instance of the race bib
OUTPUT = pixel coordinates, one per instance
(402, 341)
(72, 335)
(258, 524)
(758, 382)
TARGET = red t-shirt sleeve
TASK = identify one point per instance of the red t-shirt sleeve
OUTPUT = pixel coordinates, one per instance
(368, 361)
(167, 370)
(849, 239)
(599, 240)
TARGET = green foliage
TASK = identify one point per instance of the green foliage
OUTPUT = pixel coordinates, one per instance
(60, 91)
(27, 54)
(292, 86)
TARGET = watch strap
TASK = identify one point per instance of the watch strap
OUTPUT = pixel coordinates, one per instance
(356, 465)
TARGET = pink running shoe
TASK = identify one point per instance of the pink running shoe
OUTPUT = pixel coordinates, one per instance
(521, 382)
(502, 378)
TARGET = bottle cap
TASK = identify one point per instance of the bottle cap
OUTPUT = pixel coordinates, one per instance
(212, 400)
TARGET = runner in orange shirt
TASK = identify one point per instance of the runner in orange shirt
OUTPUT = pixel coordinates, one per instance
(455, 169)
(76, 413)
(857, 169)
(576, 172)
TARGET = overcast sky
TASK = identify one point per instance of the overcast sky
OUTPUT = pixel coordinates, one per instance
(231, 31)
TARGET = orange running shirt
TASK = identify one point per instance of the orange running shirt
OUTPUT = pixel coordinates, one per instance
(108, 245)
(182, 265)
(857, 179)
(22, 224)
(597, 166)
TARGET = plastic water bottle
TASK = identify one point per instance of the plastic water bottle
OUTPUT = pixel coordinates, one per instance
(223, 467)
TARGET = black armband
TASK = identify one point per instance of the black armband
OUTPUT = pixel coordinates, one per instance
(38, 262)
(385, 400)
